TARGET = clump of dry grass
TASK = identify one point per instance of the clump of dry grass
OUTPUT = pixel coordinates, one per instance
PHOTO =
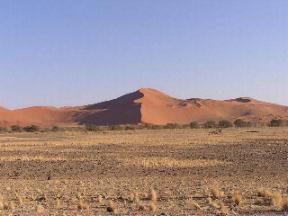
(112, 207)
(19, 198)
(58, 203)
(99, 199)
(219, 206)
(237, 198)
(153, 200)
(193, 204)
(276, 200)
(82, 205)
(152, 206)
(216, 192)
(213, 203)
(264, 192)
(284, 206)
(223, 209)
(40, 209)
(153, 195)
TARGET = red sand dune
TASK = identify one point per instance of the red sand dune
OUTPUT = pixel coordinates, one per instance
(147, 106)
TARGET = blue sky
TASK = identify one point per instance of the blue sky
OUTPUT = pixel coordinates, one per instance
(77, 52)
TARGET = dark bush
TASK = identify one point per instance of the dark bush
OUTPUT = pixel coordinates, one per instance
(3, 129)
(154, 127)
(225, 124)
(210, 124)
(171, 126)
(130, 127)
(31, 128)
(56, 129)
(115, 127)
(194, 125)
(278, 123)
(92, 128)
(241, 123)
(16, 128)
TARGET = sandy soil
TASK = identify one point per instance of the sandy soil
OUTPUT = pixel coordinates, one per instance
(145, 172)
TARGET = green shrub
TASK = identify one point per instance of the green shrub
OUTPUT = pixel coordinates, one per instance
(31, 128)
(16, 128)
(225, 124)
(210, 124)
(194, 125)
(239, 123)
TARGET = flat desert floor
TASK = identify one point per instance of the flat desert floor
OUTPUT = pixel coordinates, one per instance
(145, 172)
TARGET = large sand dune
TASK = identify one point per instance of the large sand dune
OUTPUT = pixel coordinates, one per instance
(147, 106)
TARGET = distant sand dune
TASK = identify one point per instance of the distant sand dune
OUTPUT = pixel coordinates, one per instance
(147, 106)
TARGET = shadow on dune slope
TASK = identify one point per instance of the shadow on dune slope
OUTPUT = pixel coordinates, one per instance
(122, 110)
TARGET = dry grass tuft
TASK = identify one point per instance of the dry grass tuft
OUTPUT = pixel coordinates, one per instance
(213, 204)
(237, 198)
(284, 206)
(40, 209)
(153, 195)
(216, 192)
(112, 207)
(264, 193)
(82, 205)
(58, 204)
(193, 204)
(152, 206)
(223, 209)
(99, 199)
(276, 200)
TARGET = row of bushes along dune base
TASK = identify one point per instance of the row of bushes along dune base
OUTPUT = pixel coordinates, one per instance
(239, 123)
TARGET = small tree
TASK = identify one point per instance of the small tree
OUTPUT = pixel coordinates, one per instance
(225, 124)
(16, 128)
(194, 125)
(3, 129)
(56, 128)
(31, 128)
(276, 123)
(171, 126)
(241, 123)
(130, 127)
(115, 127)
(210, 124)
(91, 127)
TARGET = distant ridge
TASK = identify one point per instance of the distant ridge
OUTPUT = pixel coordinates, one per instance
(149, 106)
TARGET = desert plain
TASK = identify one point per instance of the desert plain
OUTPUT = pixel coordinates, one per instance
(145, 172)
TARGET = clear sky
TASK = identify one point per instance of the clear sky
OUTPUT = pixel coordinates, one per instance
(65, 52)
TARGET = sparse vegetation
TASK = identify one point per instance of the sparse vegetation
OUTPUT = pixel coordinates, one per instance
(194, 125)
(225, 124)
(3, 129)
(210, 124)
(240, 123)
(171, 126)
(171, 172)
(56, 129)
(92, 127)
(31, 128)
(16, 128)
(278, 123)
